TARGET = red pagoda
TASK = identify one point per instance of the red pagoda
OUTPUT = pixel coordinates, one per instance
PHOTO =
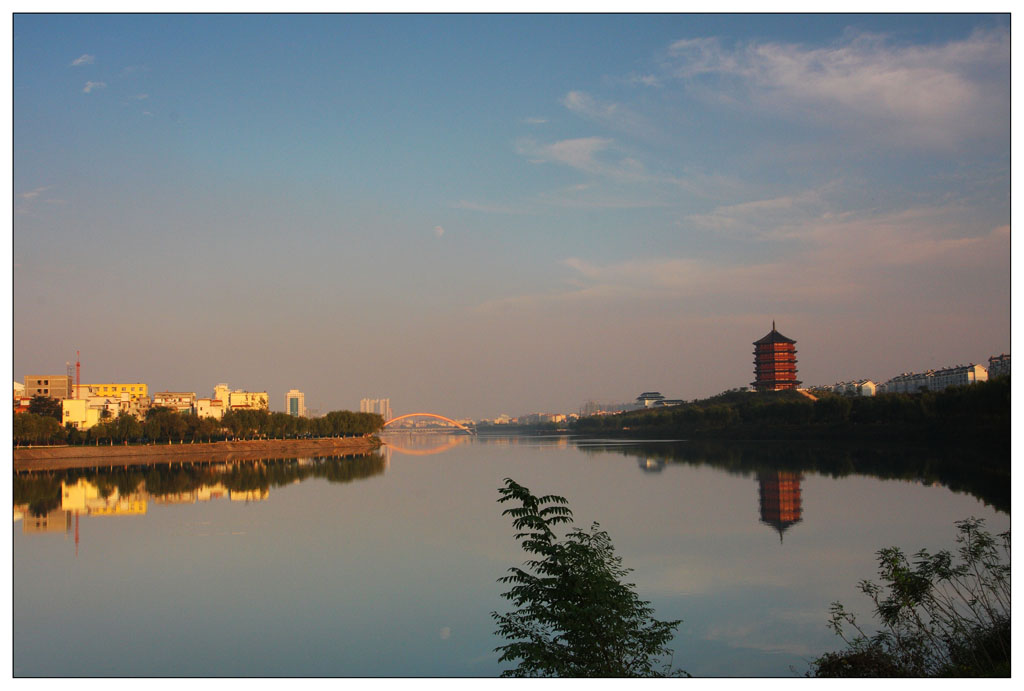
(775, 362)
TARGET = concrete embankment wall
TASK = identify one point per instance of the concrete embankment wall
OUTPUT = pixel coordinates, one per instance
(63, 457)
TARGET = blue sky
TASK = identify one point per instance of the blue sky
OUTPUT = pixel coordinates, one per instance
(474, 215)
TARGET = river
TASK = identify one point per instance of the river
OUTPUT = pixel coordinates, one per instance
(387, 565)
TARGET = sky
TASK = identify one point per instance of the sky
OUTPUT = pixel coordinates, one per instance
(482, 214)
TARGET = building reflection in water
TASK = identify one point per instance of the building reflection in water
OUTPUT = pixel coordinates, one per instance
(781, 506)
(651, 465)
(55, 521)
(43, 507)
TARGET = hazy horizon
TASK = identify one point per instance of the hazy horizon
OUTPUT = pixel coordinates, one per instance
(473, 215)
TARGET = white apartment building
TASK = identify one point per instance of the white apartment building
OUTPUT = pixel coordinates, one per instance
(179, 401)
(936, 380)
(241, 400)
(381, 406)
(859, 387)
(999, 366)
(210, 407)
(248, 400)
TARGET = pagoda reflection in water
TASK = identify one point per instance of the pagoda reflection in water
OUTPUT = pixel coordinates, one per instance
(780, 499)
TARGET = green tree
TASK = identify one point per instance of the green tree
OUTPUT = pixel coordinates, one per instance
(37, 429)
(574, 616)
(126, 428)
(44, 405)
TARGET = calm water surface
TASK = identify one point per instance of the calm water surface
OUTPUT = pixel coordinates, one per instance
(387, 565)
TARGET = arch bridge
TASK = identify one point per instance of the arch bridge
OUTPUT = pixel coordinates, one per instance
(434, 416)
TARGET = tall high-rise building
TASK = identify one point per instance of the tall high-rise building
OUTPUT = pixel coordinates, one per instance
(381, 406)
(295, 403)
(775, 362)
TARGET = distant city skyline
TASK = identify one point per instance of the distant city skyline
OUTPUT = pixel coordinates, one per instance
(487, 214)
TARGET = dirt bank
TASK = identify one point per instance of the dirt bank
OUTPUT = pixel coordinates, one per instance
(61, 457)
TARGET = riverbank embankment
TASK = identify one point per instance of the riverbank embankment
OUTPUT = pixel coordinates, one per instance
(65, 457)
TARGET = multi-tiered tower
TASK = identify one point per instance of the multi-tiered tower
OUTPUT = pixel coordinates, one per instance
(775, 362)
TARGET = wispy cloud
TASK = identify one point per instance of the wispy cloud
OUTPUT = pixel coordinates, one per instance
(32, 194)
(438, 231)
(842, 260)
(90, 86)
(922, 95)
(597, 196)
(29, 200)
(593, 155)
(486, 208)
(774, 216)
(85, 59)
(646, 80)
(535, 121)
(614, 115)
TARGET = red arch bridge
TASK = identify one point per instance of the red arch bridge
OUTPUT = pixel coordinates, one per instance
(442, 418)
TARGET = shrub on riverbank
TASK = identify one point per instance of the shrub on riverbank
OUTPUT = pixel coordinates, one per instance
(575, 616)
(938, 617)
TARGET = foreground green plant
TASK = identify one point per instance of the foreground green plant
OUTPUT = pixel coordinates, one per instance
(574, 618)
(938, 617)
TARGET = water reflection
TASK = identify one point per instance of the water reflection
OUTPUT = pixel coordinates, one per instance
(779, 493)
(421, 444)
(46, 501)
(976, 470)
(651, 465)
(323, 579)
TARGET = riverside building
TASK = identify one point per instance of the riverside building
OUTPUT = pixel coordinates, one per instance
(295, 403)
(936, 380)
(381, 406)
(56, 386)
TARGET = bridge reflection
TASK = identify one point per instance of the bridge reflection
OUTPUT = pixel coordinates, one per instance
(418, 444)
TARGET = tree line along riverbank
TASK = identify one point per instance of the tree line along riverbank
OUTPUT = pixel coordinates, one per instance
(42, 426)
(978, 413)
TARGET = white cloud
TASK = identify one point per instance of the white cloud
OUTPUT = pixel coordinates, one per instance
(610, 114)
(89, 86)
(30, 200)
(577, 153)
(487, 208)
(837, 261)
(646, 80)
(85, 59)
(594, 155)
(776, 216)
(32, 194)
(923, 94)
(535, 121)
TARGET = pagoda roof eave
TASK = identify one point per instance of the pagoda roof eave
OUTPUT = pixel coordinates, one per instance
(773, 337)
